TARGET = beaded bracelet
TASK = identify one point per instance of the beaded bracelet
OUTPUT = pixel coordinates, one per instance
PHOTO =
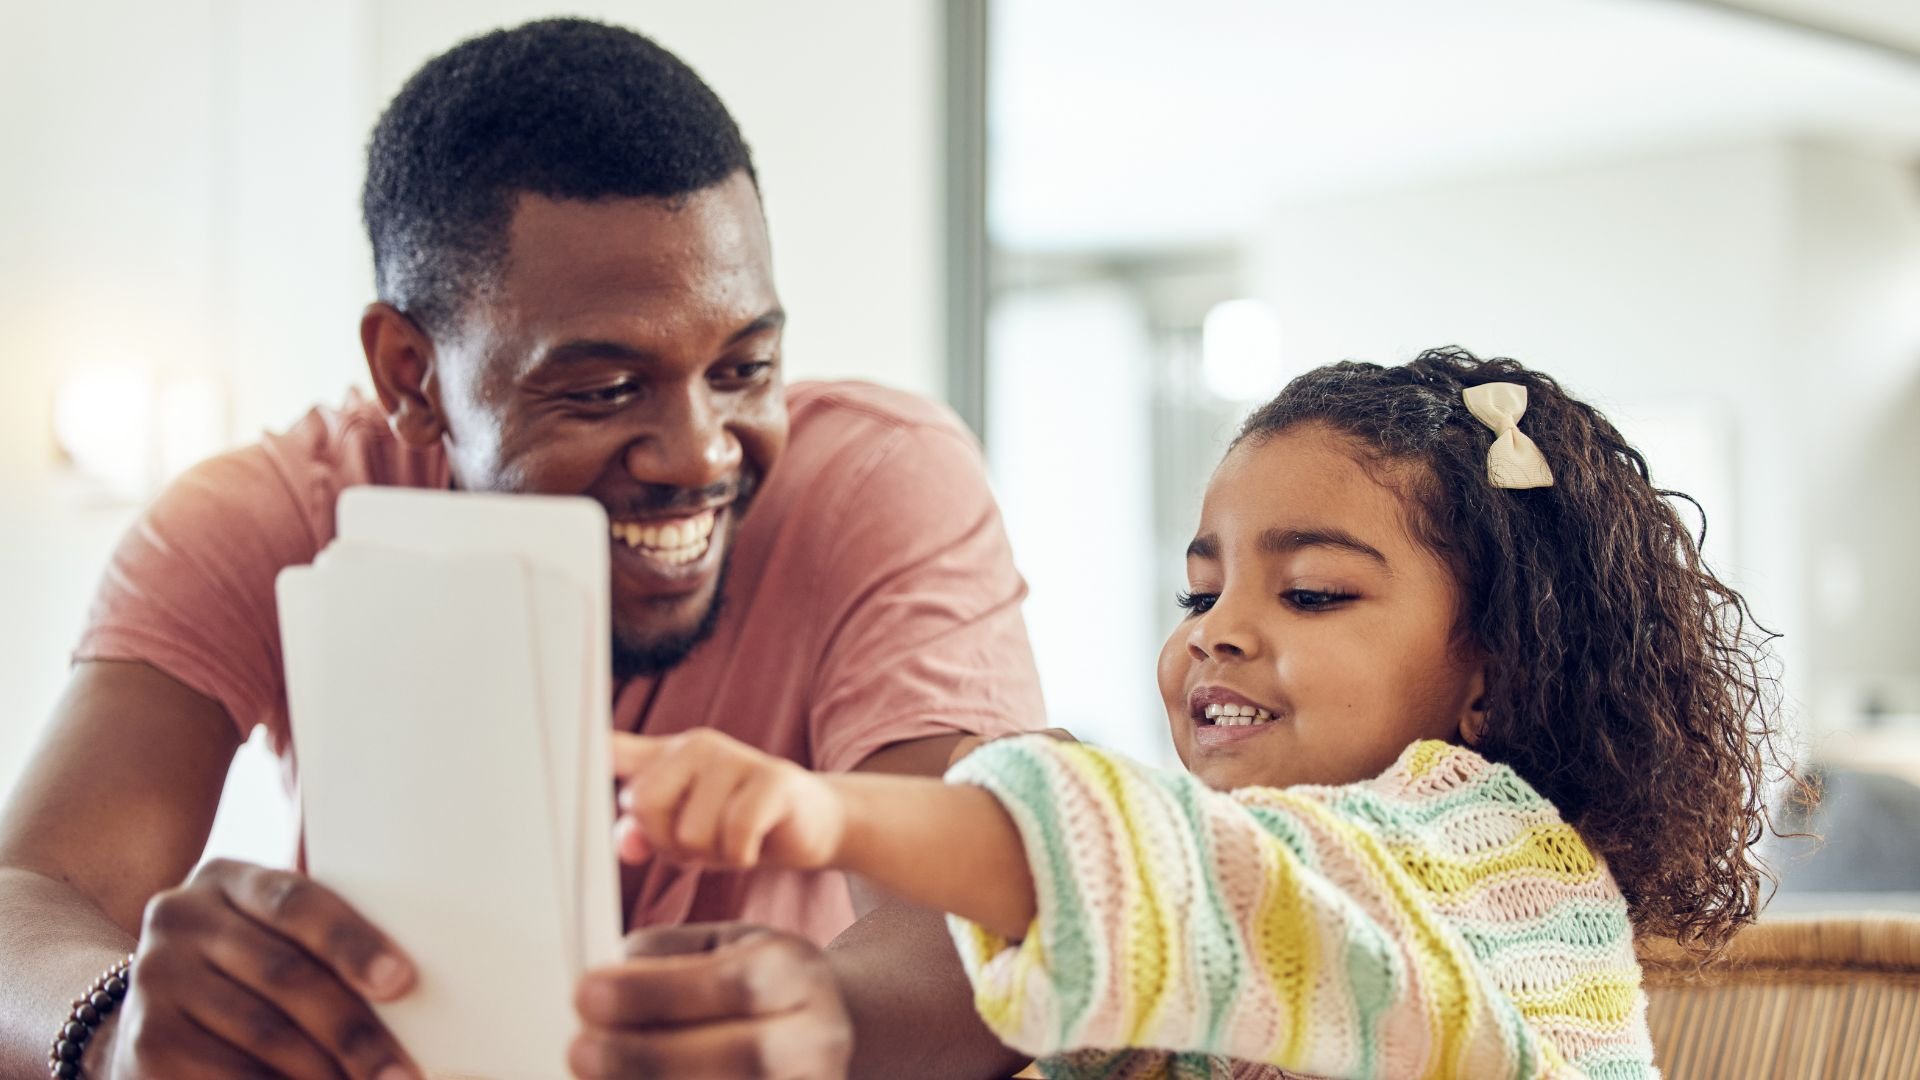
(89, 1012)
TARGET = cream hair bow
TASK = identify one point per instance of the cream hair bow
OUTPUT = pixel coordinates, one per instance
(1513, 462)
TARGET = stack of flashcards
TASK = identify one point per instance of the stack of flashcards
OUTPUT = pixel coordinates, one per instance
(448, 675)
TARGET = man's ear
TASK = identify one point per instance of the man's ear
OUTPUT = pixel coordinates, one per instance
(1473, 718)
(401, 359)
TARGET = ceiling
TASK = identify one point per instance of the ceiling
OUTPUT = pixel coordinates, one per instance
(1892, 22)
(1118, 125)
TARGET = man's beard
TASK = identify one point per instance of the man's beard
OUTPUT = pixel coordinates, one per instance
(655, 657)
(661, 654)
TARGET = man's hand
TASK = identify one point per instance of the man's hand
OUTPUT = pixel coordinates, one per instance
(246, 971)
(705, 798)
(724, 1000)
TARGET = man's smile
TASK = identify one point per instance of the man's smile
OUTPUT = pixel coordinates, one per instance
(670, 556)
(669, 541)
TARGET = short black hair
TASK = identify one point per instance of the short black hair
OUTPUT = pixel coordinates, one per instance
(564, 108)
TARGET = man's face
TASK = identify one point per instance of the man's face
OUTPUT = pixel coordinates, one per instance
(629, 352)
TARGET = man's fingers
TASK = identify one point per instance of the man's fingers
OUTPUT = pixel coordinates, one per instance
(720, 1000)
(189, 1050)
(756, 976)
(792, 1045)
(312, 997)
(294, 907)
(163, 1027)
(258, 1031)
(688, 938)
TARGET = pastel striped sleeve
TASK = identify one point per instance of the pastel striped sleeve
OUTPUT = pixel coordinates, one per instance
(1265, 925)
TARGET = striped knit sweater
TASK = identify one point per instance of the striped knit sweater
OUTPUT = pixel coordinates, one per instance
(1440, 920)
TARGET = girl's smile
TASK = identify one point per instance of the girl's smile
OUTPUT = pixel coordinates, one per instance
(1221, 716)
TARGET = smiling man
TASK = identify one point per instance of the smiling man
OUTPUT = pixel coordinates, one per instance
(637, 364)
(575, 297)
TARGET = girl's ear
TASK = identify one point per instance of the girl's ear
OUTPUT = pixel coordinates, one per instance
(1473, 718)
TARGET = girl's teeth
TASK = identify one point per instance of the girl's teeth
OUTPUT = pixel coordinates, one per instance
(1237, 715)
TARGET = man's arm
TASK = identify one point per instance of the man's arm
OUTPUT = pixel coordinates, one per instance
(242, 970)
(114, 807)
(937, 635)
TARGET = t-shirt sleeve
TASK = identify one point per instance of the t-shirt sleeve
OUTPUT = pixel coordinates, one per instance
(1264, 925)
(923, 634)
(190, 589)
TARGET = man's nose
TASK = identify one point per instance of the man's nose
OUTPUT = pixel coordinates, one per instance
(687, 446)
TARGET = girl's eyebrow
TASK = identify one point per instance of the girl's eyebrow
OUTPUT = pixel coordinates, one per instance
(1204, 547)
(1287, 541)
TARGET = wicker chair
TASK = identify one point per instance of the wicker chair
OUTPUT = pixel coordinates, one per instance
(1821, 998)
(1833, 998)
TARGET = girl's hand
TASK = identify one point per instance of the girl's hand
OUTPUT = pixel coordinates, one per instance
(704, 798)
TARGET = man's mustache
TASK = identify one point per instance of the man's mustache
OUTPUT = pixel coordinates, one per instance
(658, 500)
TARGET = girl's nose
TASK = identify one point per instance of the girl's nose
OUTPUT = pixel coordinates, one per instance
(1224, 633)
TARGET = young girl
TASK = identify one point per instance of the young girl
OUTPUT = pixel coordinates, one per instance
(1463, 710)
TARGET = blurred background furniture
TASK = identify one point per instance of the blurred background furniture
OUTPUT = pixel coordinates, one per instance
(1860, 850)
(1808, 998)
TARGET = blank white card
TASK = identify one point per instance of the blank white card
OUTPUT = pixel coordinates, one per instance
(446, 674)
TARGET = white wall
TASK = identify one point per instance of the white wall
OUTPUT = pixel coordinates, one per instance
(1731, 284)
(104, 205)
(840, 102)
(293, 102)
(1854, 352)
(1071, 409)
(182, 187)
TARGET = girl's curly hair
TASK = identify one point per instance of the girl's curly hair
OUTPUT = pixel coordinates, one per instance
(1625, 681)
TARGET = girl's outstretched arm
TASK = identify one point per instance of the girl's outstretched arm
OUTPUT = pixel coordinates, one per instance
(1439, 920)
(707, 799)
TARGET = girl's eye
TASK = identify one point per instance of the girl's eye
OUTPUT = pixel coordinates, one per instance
(1196, 603)
(1314, 599)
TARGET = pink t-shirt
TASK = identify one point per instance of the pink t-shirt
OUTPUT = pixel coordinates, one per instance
(872, 599)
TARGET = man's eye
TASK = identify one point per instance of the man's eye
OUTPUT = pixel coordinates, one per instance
(611, 394)
(1197, 603)
(1314, 599)
(744, 372)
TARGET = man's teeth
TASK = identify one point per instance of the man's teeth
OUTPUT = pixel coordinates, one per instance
(671, 542)
(1238, 715)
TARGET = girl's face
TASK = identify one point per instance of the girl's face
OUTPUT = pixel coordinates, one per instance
(1313, 608)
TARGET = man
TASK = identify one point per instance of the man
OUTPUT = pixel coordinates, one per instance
(575, 298)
